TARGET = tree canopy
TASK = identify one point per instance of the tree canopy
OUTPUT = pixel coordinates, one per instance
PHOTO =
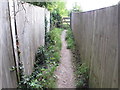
(58, 10)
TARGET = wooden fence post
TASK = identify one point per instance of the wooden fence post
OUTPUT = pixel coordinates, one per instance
(14, 35)
(118, 44)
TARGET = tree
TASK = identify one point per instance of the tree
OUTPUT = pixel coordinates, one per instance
(57, 9)
(76, 7)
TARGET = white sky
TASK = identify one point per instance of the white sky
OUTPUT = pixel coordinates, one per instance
(87, 5)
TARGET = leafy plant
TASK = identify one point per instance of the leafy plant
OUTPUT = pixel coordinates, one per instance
(66, 26)
(70, 40)
(46, 61)
(57, 9)
(40, 56)
(81, 70)
(82, 74)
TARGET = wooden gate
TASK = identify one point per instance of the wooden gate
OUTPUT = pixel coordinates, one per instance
(66, 20)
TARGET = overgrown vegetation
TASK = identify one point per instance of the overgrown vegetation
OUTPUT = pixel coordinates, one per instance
(66, 26)
(81, 75)
(81, 69)
(46, 60)
(70, 40)
(57, 9)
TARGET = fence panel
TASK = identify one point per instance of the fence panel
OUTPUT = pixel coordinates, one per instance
(8, 78)
(119, 43)
(47, 15)
(96, 35)
(22, 30)
(30, 25)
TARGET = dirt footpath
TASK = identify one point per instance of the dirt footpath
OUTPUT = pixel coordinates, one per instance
(64, 72)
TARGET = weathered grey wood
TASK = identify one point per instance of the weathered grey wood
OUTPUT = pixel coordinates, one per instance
(66, 20)
(119, 43)
(8, 78)
(96, 36)
(12, 24)
(30, 23)
(47, 15)
(0, 53)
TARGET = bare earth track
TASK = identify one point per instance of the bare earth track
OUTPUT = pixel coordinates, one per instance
(64, 72)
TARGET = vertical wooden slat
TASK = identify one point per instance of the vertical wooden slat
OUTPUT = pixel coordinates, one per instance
(29, 26)
(119, 43)
(0, 51)
(14, 34)
(30, 23)
(9, 79)
(96, 36)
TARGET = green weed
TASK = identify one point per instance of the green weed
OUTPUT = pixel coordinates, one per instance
(70, 40)
(66, 26)
(81, 70)
(46, 61)
(82, 76)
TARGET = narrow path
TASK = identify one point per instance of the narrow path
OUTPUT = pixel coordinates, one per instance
(64, 72)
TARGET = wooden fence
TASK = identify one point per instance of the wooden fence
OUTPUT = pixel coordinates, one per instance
(22, 31)
(8, 79)
(96, 36)
(119, 44)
